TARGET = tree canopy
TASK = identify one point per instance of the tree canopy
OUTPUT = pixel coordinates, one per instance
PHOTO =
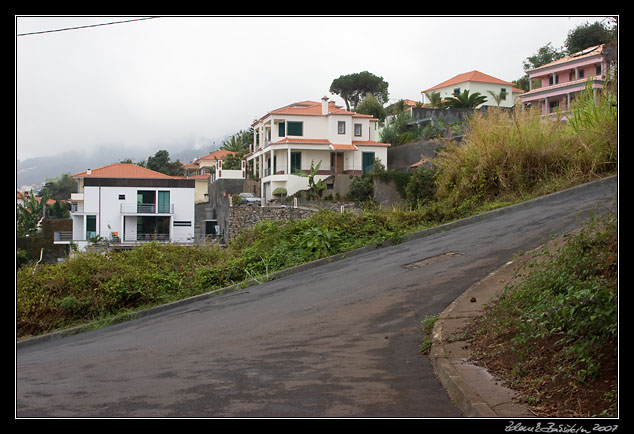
(353, 87)
(371, 106)
(587, 35)
(466, 100)
(161, 162)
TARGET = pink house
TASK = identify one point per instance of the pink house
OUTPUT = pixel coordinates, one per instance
(563, 79)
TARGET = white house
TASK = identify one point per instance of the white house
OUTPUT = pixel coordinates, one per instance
(293, 137)
(130, 204)
(476, 81)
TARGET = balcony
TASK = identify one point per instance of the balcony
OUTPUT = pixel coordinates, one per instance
(146, 208)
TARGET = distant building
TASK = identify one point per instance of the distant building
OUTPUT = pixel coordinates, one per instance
(129, 204)
(293, 137)
(476, 81)
(562, 80)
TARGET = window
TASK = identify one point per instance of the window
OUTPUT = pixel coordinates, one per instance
(182, 223)
(122, 197)
(281, 132)
(503, 94)
(295, 128)
(341, 127)
(91, 226)
(164, 201)
(357, 130)
(598, 70)
(456, 91)
(582, 73)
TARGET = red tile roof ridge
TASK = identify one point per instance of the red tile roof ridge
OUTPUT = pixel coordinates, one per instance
(122, 170)
(469, 76)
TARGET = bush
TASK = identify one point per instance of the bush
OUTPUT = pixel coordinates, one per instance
(361, 189)
(422, 186)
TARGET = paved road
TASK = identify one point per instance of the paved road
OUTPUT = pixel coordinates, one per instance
(340, 340)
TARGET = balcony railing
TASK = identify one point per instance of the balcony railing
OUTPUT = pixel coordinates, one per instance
(63, 236)
(146, 208)
(67, 236)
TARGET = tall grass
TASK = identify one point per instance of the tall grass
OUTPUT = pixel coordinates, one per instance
(522, 153)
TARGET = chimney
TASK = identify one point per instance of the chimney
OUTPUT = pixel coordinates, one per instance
(88, 172)
(324, 105)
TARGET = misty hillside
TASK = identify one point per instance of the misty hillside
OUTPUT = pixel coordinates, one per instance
(35, 171)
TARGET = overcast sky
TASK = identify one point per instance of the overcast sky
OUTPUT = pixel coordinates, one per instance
(189, 80)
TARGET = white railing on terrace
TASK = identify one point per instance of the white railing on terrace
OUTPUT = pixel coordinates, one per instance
(143, 208)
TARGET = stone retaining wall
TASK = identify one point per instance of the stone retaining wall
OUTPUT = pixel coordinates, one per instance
(242, 217)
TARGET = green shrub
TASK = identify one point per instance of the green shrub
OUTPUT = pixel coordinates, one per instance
(361, 189)
(571, 296)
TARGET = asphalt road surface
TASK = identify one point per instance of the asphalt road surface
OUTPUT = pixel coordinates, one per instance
(340, 340)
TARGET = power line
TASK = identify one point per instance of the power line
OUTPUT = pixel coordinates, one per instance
(84, 27)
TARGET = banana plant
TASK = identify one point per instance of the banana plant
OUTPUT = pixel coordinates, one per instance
(315, 187)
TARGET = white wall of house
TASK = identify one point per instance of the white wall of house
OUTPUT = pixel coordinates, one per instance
(267, 154)
(483, 89)
(105, 203)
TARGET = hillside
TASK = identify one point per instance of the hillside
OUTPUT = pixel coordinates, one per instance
(35, 171)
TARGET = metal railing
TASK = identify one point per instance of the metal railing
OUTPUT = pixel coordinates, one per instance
(146, 208)
(63, 236)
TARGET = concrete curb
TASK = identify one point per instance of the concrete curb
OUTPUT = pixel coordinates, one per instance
(472, 388)
(302, 267)
(474, 391)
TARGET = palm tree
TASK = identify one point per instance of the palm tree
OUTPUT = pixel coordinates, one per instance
(234, 144)
(435, 100)
(464, 100)
(498, 97)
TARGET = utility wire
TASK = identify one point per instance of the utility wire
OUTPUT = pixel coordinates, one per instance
(84, 27)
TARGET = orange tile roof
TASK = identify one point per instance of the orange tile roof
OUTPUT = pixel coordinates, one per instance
(469, 76)
(296, 141)
(369, 143)
(287, 140)
(122, 170)
(336, 147)
(311, 108)
(217, 155)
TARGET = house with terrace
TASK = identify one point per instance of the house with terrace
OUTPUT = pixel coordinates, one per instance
(562, 80)
(128, 204)
(308, 133)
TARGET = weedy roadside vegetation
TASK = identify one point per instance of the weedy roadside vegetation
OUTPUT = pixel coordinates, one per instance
(553, 333)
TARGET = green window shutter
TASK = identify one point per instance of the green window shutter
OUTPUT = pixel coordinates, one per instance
(282, 129)
(295, 128)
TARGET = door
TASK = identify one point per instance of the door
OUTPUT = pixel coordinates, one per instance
(367, 163)
(339, 163)
(296, 161)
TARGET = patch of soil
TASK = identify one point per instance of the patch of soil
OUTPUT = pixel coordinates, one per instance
(539, 382)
